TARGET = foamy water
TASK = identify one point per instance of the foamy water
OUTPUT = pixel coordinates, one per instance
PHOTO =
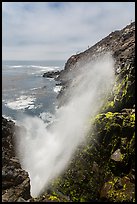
(21, 103)
(57, 89)
(25, 90)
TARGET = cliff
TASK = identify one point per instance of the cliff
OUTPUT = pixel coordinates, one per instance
(103, 170)
(122, 46)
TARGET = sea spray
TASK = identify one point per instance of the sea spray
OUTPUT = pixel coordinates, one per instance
(45, 151)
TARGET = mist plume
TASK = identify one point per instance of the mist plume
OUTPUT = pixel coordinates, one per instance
(45, 152)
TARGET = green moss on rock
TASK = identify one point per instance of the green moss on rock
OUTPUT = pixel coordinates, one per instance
(118, 190)
(93, 165)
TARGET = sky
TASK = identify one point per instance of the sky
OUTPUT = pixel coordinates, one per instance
(58, 30)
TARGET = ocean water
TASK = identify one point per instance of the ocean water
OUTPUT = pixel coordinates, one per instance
(25, 91)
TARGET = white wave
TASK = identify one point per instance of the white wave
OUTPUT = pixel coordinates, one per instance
(42, 71)
(57, 89)
(39, 66)
(50, 79)
(47, 117)
(44, 68)
(48, 69)
(21, 103)
(16, 66)
(9, 118)
(31, 106)
(17, 121)
(33, 89)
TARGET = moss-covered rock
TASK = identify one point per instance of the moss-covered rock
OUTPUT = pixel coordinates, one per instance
(109, 156)
(94, 166)
(123, 94)
(52, 196)
(118, 190)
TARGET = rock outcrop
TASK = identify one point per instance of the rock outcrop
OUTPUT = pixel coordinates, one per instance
(104, 169)
(122, 46)
(15, 181)
(51, 74)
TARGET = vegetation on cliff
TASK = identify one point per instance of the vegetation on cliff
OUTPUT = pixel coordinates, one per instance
(104, 170)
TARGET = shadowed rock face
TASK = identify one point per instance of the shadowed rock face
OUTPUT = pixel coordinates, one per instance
(15, 181)
(104, 169)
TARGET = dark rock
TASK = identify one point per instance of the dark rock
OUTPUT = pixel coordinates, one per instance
(51, 74)
(15, 181)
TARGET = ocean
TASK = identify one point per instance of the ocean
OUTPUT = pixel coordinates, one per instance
(26, 91)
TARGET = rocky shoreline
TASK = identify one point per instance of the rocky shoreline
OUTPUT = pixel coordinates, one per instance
(104, 170)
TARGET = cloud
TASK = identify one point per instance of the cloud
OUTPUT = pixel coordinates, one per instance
(56, 30)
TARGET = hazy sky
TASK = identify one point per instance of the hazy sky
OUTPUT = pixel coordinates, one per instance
(57, 30)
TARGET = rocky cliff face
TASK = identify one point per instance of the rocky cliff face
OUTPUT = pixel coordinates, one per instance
(103, 170)
(122, 46)
(15, 181)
